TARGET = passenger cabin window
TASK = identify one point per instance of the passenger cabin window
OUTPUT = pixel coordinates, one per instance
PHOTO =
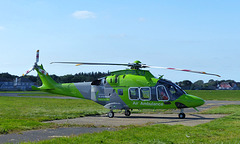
(162, 94)
(134, 93)
(145, 93)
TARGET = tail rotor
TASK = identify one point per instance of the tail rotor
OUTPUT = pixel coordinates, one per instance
(35, 65)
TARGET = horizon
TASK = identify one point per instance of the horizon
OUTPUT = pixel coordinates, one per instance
(110, 72)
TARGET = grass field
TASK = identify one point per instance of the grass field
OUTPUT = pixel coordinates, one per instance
(223, 130)
(30, 93)
(40, 94)
(18, 114)
(228, 95)
(21, 92)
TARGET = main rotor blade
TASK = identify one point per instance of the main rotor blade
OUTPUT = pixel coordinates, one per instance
(84, 63)
(200, 72)
(135, 66)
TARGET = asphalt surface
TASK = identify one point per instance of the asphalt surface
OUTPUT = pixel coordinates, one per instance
(38, 135)
(141, 119)
(191, 119)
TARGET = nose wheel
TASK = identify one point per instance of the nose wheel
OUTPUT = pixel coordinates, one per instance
(181, 115)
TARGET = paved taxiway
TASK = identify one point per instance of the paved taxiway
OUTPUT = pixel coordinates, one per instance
(141, 119)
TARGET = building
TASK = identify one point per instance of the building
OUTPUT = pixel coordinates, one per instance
(228, 86)
(16, 85)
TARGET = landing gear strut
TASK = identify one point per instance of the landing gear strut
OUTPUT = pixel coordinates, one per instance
(127, 113)
(181, 115)
(111, 114)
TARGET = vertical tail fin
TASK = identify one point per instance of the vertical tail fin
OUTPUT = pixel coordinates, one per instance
(47, 81)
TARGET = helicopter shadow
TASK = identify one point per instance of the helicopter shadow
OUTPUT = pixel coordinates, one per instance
(172, 119)
(192, 117)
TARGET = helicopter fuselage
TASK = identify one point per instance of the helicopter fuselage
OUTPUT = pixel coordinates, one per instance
(131, 89)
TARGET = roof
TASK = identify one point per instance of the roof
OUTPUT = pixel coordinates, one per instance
(22, 79)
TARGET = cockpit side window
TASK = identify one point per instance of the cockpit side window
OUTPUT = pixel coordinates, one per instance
(133, 93)
(173, 90)
(162, 94)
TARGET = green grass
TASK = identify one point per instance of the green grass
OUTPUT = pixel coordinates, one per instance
(222, 130)
(228, 95)
(18, 114)
(226, 109)
(40, 94)
(21, 92)
(30, 93)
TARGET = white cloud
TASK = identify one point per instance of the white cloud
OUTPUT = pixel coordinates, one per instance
(141, 19)
(83, 14)
(2, 28)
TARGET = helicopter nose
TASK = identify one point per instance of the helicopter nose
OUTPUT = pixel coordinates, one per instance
(200, 101)
(187, 101)
(195, 101)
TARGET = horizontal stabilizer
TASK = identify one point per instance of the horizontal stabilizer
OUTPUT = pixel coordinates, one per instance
(41, 88)
(35, 88)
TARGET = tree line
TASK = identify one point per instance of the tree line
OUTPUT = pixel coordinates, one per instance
(210, 85)
(81, 77)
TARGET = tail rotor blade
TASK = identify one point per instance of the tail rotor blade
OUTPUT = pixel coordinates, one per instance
(37, 56)
(28, 71)
(35, 64)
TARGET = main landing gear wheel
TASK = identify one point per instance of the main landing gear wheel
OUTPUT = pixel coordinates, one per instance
(181, 115)
(127, 113)
(111, 114)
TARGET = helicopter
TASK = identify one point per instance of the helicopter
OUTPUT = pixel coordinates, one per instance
(127, 89)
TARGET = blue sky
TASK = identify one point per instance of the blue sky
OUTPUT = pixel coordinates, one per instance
(198, 35)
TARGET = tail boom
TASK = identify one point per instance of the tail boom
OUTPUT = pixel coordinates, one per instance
(51, 86)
